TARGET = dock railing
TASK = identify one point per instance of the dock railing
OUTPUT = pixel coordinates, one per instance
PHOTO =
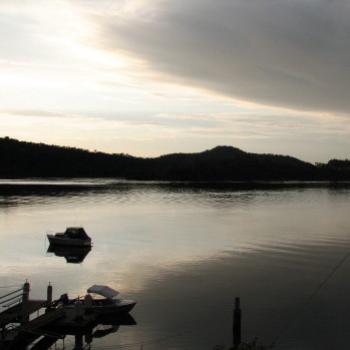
(12, 298)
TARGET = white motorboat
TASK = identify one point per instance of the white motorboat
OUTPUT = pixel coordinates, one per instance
(109, 304)
(73, 236)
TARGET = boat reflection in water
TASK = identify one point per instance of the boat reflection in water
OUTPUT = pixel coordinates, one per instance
(73, 255)
(83, 335)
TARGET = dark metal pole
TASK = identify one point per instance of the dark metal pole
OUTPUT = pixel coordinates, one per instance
(237, 329)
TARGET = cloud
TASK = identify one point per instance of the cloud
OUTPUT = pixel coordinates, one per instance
(293, 54)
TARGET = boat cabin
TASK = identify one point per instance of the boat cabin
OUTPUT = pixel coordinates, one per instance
(76, 233)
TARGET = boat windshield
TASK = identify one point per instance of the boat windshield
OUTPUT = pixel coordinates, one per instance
(76, 232)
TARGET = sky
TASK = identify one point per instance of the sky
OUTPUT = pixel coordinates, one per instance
(150, 77)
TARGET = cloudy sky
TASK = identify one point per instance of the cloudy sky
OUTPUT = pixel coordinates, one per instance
(149, 77)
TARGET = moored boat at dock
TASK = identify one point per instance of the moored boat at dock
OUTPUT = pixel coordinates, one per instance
(109, 304)
(19, 328)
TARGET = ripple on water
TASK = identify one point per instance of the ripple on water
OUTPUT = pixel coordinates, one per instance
(184, 253)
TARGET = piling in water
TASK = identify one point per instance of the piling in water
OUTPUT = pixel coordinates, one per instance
(236, 327)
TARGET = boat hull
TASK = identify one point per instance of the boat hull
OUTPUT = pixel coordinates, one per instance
(108, 307)
(111, 309)
(58, 241)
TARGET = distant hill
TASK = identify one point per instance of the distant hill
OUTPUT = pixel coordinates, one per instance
(223, 163)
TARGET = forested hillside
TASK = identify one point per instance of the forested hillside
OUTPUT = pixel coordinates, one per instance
(223, 163)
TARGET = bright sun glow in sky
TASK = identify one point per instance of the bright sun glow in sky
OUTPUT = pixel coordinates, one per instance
(152, 77)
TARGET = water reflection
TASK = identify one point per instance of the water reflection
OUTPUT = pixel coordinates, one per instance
(73, 255)
(77, 338)
(103, 327)
(184, 252)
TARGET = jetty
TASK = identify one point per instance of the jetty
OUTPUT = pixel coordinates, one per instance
(41, 323)
(22, 318)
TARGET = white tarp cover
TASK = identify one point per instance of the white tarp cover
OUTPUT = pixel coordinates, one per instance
(105, 291)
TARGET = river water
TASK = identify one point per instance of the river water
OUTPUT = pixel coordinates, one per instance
(184, 252)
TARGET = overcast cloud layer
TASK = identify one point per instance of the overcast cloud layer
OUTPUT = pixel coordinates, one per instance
(286, 53)
(149, 77)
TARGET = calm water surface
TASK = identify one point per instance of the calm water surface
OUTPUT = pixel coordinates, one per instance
(185, 252)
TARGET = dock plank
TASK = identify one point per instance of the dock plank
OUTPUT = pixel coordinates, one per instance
(14, 313)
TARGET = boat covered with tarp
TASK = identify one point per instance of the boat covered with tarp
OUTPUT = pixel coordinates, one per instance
(100, 300)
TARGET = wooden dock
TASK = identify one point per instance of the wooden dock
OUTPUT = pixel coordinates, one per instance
(42, 320)
(21, 336)
(16, 313)
(19, 324)
(40, 323)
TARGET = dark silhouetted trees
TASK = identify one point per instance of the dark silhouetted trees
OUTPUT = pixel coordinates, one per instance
(223, 163)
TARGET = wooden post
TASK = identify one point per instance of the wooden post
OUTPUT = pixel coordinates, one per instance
(236, 328)
(88, 337)
(25, 302)
(49, 296)
(78, 345)
(79, 311)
